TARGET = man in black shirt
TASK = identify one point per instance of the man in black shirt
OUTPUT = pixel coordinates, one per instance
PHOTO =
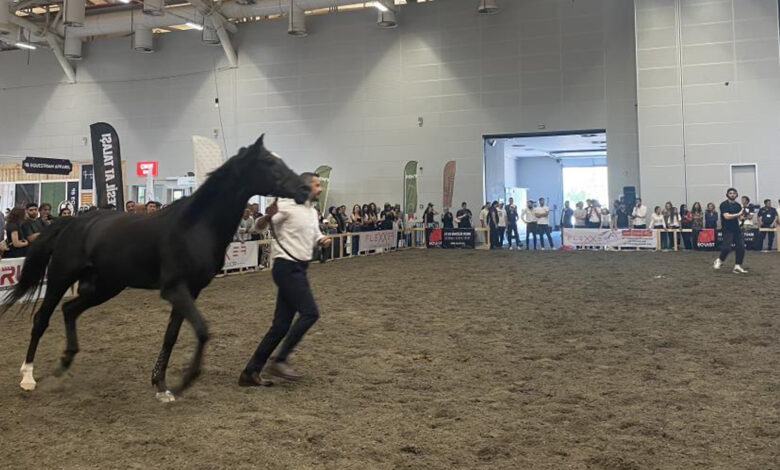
(731, 214)
(33, 225)
(511, 223)
(446, 219)
(621, 216)
(767, 216)
(463, 217)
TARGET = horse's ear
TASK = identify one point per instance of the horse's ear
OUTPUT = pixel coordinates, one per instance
(260, 140)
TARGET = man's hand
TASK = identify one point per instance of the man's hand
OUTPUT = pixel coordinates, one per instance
(324, 242)
(272, 209)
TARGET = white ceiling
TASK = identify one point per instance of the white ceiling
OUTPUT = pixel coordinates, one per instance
(559, 146)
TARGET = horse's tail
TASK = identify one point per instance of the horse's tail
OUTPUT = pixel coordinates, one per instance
(35, 263)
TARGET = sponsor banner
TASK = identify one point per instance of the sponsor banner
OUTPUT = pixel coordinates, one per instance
(207, 155)
(47, 166)
(147, 168)
(378, 240)
(433, 237)
(322, 203)
(73, 193)
(449, 183)
(108, 166)
(410, 189)
(623, 238)
(87, 177)
(11, 270)
(707, 239)
(240, 256)
(457, 238)
(750, 236)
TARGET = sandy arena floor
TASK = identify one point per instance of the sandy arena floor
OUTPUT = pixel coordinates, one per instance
(429, 360)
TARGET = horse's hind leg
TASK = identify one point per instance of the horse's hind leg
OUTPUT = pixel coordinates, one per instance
(89, 296)
(161, 366)
(54, 293)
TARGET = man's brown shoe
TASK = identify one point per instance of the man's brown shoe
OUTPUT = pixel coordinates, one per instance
(253, 380)
(283, 371)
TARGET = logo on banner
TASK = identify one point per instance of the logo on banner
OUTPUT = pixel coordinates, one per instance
(146, 168)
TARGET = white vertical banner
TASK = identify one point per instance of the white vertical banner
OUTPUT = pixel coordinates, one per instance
(150, 187)
(208, 157)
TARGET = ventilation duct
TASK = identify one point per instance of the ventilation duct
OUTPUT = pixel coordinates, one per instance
(297, 21)
(72, 48)
(74, 13)
(154, 7)
(210, 37)
(5, 18)
(143, 41)
(488, 7)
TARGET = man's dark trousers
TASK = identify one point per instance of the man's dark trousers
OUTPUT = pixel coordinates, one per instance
(294, 296)
(739, 246)
(511, 232)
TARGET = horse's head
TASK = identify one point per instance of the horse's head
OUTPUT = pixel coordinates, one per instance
(269, 176)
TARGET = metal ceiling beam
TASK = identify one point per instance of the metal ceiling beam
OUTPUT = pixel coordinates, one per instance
(52, 40)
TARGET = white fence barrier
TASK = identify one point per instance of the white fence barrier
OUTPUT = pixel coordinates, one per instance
(619, 238)
(11, 270)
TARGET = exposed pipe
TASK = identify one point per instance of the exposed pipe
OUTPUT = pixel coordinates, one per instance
(54, 43)
(210, 12)
(227, 46)
(120, 22)
(74, 12)
(5, 14)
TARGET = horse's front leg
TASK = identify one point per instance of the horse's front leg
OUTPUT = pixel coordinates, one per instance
(161, 366)
(183, 302)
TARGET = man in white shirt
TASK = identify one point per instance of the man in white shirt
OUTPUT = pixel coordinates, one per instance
(296, 232)
(542, 214)
(639, 215)
(529, 218)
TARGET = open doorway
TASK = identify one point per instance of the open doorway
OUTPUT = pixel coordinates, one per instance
(558, 166)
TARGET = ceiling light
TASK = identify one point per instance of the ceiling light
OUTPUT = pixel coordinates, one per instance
(24, 45)
(125, 1)
(192, 25)
(381, 6)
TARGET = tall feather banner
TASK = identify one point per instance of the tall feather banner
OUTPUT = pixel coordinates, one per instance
(208, 157)
(324, 172)
(449, 183)
(410, 188)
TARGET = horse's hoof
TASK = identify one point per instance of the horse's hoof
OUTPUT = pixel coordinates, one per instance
(165, 397)
(28, 381)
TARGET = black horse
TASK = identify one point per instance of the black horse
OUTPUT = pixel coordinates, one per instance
(178, 250)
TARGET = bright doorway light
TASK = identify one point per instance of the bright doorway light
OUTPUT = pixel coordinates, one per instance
(581, 183)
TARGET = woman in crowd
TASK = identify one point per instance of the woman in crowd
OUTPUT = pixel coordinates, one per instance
(686, 223)
(428, 216)
(697, 223)
(580, 216)
(245, 226)
(493, 222)
(667, 238)
(356, 225)
(673, 222)
(594, 215)
(711, 217)
(17, 245)
(658, 222)
(65, 212)
(334, 224)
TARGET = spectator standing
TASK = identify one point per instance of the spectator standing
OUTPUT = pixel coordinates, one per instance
(483, 213)
(447, 219)
(32, 226)
(620, 220)
(594, 215)
(45, 214)
(697, 223)
(511, 218)
(567, 215)
(580, 216)
(429, 216)
(152, 206)
(749, 221)
(356, 225)
(658, 222)
(65, 212)
(245, 226)
(711, 217)
(767, 216)
(17, 245)
(639, 215)
(501, 224)
(493, 225)
(530, 224)
(686, 223)
(542, 214)
(130, 207)
(463, 217)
